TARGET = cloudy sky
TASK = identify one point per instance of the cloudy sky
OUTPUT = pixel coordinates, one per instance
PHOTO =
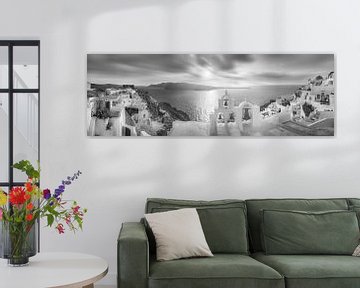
(221, 70)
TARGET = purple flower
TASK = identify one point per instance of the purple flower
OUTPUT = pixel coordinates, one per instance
(64, 183)
(58, 192)
(46, 194)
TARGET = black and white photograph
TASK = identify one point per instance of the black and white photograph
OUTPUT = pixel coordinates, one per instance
(226, 95)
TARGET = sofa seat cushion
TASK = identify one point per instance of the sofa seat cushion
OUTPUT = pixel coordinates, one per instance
(222, 270)
(313, 271)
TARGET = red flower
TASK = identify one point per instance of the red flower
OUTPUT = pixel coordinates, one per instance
(29, 186)
(17, 196)
(60, 228)
(29, 217)
(75, 209)
(29, 206)
(68, 219)
(27, 196)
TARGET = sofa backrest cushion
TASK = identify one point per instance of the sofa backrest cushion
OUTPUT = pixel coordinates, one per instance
(223, 221)
(354, 205)
(353, 201)
(255, 206)
(298, 232)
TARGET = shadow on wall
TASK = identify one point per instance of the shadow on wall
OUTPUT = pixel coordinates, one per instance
(196, 167)
(279, 24)
(186, 165)
(166, 19)
(76, 22)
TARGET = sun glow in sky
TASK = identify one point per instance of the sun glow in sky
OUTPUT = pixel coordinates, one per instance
(217, 70)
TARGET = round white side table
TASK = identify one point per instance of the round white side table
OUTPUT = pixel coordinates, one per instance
(54, 270)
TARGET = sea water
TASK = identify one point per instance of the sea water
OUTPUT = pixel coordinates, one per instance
(200, 104)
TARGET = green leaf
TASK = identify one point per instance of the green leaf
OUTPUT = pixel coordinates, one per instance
(26, 167)
(53, 211)
(79, 221)
(50, 219)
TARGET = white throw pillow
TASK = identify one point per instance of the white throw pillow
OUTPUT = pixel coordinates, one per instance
(178, 234)
(357, 251)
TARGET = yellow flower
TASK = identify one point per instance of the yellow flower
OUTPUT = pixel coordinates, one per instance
(3, 198)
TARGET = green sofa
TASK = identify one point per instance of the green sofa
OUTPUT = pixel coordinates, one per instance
(233, 230)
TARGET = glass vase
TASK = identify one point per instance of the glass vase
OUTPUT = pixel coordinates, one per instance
(18, 242)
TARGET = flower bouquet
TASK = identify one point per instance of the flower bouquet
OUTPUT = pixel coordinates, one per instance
(21, 208)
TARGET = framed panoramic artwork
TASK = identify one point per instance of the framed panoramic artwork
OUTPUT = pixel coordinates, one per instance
(232, 95)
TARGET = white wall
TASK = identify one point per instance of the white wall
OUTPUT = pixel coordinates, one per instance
(119, 174)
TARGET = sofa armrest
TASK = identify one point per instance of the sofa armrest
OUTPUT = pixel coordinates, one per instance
(133, 256)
